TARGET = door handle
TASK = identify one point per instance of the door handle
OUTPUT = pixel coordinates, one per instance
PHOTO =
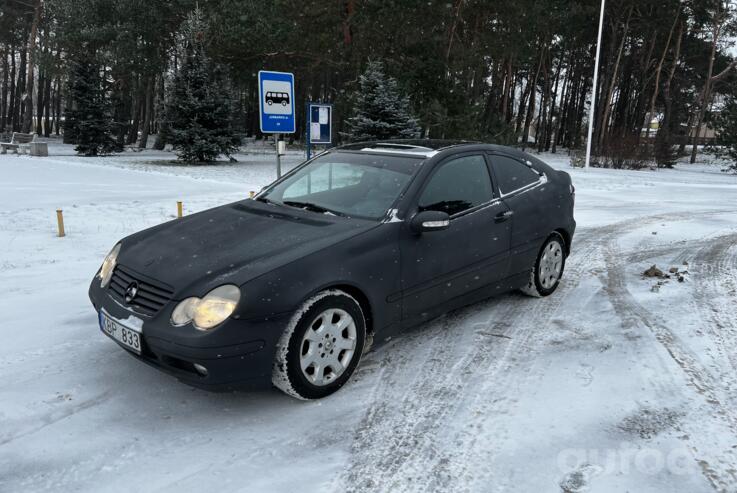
(503, 216)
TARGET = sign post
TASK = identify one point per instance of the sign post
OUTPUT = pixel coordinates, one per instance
(276, 107)
(319, 125)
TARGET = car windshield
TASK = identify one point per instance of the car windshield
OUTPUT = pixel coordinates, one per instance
(346, 184)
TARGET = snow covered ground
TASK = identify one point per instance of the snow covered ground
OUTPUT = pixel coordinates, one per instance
(608, 385)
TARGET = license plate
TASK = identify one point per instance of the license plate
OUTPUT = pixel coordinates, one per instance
(125, 336)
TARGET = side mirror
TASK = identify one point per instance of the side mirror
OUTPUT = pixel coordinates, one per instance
(427, 221)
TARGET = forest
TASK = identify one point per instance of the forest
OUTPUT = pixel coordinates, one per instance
(516, 73)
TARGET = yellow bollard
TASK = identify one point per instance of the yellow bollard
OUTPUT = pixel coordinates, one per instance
(179, 210)
(60, 222)
(251, 194)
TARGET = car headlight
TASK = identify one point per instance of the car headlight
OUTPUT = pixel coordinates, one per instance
(108, 266)
(210, 311)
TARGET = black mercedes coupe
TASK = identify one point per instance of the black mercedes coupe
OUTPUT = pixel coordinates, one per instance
(290, 288)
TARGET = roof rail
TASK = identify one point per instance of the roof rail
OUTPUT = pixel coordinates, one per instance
(405, 147)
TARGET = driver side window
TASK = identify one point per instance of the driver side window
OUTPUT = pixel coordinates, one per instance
(458, 185)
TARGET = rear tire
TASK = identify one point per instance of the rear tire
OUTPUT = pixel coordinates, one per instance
(547, 272)
(321, 346)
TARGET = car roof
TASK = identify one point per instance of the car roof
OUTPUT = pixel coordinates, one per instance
(422, 147)
(415, 147)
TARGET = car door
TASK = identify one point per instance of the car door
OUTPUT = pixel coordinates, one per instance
(522, 189)
(440, 267)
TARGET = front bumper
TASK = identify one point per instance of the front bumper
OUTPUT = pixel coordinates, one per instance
(238, 355)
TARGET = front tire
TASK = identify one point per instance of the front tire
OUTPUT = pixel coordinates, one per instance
(545, 275)
(321, 346)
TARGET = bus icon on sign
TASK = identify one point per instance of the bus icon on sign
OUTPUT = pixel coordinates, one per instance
(281, 98)
(276, 102)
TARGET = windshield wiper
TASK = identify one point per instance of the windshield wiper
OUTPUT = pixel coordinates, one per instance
(312, 207)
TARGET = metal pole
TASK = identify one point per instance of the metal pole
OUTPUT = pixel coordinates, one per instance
(278, 157)
(308, 131)
(594, 88)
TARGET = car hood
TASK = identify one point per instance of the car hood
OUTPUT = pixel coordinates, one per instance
(231, 244)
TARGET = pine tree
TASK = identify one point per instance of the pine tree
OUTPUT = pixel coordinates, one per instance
(726, 126)
(89, 118)
(380, 111)
(198, 113)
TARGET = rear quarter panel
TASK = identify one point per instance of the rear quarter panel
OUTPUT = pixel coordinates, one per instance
(538, 213)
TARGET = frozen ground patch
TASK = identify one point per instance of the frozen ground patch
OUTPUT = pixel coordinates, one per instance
(605, 386)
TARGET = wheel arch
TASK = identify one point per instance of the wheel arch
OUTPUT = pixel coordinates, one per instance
(353, 291)
(566, 239)
(362, 300)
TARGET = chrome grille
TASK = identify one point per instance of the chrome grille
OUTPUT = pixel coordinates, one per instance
(151, 296)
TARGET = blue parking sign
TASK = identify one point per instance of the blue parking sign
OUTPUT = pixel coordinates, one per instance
(276, 102)
(320, 122)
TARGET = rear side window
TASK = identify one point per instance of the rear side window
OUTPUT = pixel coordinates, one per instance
(459, 185)
(511, 174)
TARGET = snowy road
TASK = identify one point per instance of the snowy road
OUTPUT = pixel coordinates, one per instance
(608, 385)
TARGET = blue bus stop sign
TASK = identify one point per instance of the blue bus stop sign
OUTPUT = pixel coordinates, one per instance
(276, 102)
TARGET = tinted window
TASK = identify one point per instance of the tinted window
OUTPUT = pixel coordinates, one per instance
(511, 174)
(457, 186)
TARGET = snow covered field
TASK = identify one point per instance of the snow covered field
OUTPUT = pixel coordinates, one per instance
(608, 385)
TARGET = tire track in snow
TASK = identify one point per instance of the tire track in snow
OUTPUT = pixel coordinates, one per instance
(395, 448)
(715, 269)
(721, 472)
(396, 445)
(529, 317)
(55, 416)
(385, 448)
(589, 245)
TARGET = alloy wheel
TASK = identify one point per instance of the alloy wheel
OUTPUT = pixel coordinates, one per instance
(551, 265)
(328, 346)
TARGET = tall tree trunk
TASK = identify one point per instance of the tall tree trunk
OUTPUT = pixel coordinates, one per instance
(148, 109)
(543, 138)
(47, 95)
(541, 134)
(606, 107)
(10, 117)
(533, 99)
(522, 106)
(20, 88)
(662, 142)
(452, 33)
(28, 115)
(138, 109)
(551, 117)
(47, 107)
(704, 99)
(506, 88)
(160, 142)
(40, 101)
(57, 109)
(658, 70)
(579, 113)
(568, 83)
(349, 9)
(4, 91)
(41, 90)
